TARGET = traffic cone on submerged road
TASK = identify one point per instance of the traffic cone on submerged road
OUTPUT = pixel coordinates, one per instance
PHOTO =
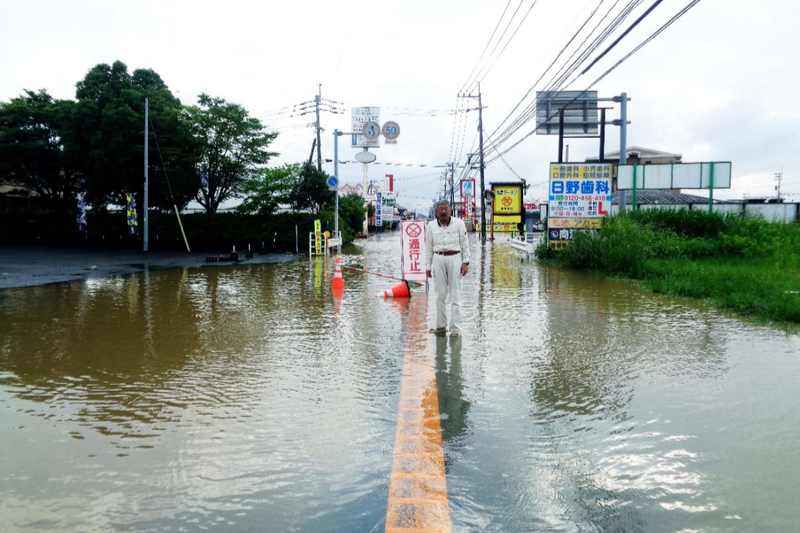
(401, 290)
(338, 280)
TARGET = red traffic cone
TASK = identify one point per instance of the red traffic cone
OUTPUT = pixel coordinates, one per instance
(401, 290)
(338, 280)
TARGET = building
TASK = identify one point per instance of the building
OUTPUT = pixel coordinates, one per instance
(637, 155)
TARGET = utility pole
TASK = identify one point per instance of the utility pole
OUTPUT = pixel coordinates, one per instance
(146, 164)
(480, 131)
(452, 186)
(317, 100)
(623, 142)
(778, 178)
(483, 186)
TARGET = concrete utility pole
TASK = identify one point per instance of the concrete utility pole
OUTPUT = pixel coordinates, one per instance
(452, 186)
(146, 164)
(483, 187)
(317, 100)
(336, 134)
(623, 143)
(480, 131)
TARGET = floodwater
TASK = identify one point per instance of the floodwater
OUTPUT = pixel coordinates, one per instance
(246, 398)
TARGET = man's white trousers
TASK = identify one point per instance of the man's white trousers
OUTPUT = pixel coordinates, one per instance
(447, 280)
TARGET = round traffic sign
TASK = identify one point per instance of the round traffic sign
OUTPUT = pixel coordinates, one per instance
(371, 130)
(391, 130)
(333, 181)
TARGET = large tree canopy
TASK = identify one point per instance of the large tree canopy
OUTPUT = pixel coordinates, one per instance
(36, 156)
(233, 149)
(109, 132)
(271, 187)
(311, 190)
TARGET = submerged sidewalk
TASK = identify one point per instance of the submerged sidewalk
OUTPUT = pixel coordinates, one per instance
(28, 266)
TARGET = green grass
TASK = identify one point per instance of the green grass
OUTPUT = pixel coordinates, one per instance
(747, 266)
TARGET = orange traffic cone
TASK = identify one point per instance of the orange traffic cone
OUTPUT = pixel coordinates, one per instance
(338, 280)
(401, 290)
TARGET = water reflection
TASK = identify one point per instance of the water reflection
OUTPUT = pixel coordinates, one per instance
(237, 396)
(453, 406)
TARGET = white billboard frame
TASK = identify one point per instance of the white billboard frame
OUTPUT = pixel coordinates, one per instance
(668, 176)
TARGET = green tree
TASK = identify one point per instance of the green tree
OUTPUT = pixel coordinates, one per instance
(35, 153)
(311, 189)
(268, 189)
(352, 211)
(108, 129)
(233, 148)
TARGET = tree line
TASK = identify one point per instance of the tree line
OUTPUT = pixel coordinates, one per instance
(51, 150)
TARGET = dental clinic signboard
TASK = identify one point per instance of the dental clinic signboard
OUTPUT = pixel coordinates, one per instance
(577, 192)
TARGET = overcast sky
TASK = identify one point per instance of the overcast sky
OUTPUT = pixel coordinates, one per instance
(720, 84)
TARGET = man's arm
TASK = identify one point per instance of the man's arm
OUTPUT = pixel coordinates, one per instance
(428, 250)
(463, 242)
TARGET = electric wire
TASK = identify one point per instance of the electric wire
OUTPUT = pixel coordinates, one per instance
(491, 66)
(552, 64)
(613, 67)
(461, 90)
(499, 40)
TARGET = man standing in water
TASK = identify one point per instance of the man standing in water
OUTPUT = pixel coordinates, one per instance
(447, 261)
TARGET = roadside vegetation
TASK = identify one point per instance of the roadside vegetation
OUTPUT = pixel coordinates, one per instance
(58, 157)
(744, 265)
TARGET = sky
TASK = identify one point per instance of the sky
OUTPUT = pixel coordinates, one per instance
(719, 84)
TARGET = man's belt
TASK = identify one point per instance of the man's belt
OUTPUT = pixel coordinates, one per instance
(449, 252)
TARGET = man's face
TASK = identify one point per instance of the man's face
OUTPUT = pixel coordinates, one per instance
(443, 212)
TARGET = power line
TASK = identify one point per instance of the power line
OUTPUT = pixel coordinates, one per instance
(462, 89)
(626, 32)
(494, 62)
(640, 46)
(652, 36)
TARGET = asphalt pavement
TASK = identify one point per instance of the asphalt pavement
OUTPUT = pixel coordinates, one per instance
(22, 266)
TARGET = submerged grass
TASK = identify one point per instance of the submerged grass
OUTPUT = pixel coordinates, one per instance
(745, 265)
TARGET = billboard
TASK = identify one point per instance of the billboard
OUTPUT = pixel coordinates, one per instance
(467, 200)
(579, 198)
(675, 176)
(507, 198)
(579, 108)
(579, 190)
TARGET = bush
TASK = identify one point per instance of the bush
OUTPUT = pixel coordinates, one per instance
(747, 265)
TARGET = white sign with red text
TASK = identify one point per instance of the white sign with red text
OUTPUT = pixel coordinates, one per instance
(412, 243)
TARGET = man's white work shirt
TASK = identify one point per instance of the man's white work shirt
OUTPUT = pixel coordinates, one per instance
(452, 237)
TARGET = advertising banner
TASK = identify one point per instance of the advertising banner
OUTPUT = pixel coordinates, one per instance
(131, 215)
(412, 244)
(317, 237)
(579, 198)
(81, 218)
(579, 190)
(467, 200)
(575, 223)
(507, 198)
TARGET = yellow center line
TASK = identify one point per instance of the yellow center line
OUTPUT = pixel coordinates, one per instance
(418, 486)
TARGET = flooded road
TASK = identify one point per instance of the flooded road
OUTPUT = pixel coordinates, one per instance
(246, 398)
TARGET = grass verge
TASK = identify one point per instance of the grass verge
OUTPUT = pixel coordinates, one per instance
(747, 266)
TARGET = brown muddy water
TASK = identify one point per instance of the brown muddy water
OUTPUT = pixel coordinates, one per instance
(246, 398)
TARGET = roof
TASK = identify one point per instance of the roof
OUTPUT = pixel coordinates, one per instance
(641, 152)
(662, 197)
